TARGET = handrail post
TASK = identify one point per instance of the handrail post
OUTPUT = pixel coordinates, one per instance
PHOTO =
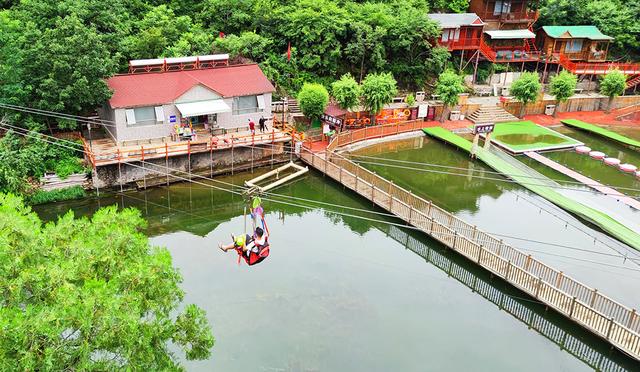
(538, 286)
(508, 270)
(390, 196)
(611, 320)
(455, 240)
(573, 306)
(480, 253)
(593, 298)
(559, 279)
(631, 317)
(410, 213)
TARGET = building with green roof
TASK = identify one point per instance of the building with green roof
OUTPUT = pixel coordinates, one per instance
(578, 43)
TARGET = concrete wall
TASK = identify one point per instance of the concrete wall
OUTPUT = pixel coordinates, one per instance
(574, 104)
(228, 120)
(221, 161)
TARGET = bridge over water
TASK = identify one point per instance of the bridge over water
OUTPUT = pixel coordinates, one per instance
(617, 324)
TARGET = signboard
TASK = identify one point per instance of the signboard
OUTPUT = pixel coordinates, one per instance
(483, 128)
(172, 119)
(422, 111)
(331, 120)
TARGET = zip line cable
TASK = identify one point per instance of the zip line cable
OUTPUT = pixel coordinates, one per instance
(481, 171)
(324, 203)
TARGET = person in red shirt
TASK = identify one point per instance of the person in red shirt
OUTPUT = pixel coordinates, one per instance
(252, 127)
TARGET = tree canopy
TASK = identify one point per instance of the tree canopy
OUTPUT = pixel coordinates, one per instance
(448, 88)
(377, 91)
(54, 54)
(526, 89)
(563, 86)
(313, 99)
(346, 92)
(612, 85)
(91, 294)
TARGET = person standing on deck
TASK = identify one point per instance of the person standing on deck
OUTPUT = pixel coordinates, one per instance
(262, 124)
(252, 127)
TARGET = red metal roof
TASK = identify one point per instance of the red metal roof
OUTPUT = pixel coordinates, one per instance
(165, 87)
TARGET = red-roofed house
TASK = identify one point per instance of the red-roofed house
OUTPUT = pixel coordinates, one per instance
(149, 105)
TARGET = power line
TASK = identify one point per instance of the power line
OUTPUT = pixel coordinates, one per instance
(480, 170)
(314, 201)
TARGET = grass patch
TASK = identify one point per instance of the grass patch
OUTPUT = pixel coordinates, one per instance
(42, 197)
(528, 136)
(601, 132)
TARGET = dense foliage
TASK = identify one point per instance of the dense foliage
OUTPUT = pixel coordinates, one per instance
(67, 193)
(526, 89)
(346, 92)
(90, 295)
(54, 54)
(612, 85)
(448, 88)
(563, 86)
(313, 99)
(24, 160)
(377, 91)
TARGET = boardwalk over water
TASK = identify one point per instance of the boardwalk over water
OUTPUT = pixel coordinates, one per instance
(585, 180)
(614, 322)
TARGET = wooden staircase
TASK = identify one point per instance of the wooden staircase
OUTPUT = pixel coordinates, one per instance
(633, 81)
(491, 114)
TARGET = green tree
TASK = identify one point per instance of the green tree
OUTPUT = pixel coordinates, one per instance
(346, 92)
(612, 85)
(448, 88)
(526, 89)
(248, 44)
(377, 91)
(563, 86)
(60, 69)
(313, 100)
(91, 294)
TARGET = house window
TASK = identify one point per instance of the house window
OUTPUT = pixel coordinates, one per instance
(573, 46)
(502, 7)
(144, 116)
(245, 105)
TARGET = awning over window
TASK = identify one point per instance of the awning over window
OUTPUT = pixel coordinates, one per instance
(510, 34)
(213, 106)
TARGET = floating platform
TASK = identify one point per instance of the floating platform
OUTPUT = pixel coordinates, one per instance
(601, 132)
(298, 171)
(538, 186)
(609, 191)
(522, 136)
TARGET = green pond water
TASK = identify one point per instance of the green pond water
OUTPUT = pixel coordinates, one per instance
(343, 293)
(626, 183)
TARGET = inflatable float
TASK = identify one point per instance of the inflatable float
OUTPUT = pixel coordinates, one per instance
(583, 149)
(597, 155)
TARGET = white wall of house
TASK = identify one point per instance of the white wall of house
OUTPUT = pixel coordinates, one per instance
(124, 132)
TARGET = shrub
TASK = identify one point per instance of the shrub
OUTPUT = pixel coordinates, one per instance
(42, 197)
(313, 100)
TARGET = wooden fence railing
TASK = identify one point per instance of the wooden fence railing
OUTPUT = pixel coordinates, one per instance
(152, 151)
(586, 306)
(376, 131)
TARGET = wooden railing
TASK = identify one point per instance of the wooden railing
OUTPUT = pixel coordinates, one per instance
(522, 309)
(461, 43)
(376, 131)
(598, 68)
(605, 317)
(146, 152)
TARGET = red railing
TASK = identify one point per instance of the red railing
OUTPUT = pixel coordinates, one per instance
(598, 68)
(487, 51)
(514, 17)
(466, 43)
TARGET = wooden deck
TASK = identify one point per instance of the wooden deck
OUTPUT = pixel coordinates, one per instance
(104, 151)
(614, 322)
(585, 180)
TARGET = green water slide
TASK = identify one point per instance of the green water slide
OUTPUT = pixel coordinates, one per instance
(601, 132)
(604, 221)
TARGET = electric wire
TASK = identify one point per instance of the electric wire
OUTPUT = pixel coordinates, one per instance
(339, 206)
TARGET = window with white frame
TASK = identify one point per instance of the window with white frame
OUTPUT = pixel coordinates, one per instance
(248, 104)
(140, 116)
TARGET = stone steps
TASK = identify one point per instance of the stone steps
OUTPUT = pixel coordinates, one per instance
(491, 114)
